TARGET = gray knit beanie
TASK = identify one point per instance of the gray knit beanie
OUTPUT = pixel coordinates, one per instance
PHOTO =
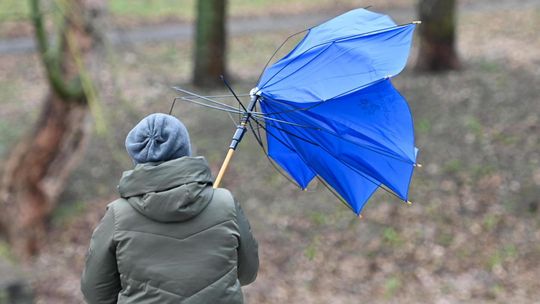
(157, 138)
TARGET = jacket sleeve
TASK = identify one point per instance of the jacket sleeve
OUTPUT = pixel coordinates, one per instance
(248, 252)
(100, 282)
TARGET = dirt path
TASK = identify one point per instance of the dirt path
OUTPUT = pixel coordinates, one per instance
(241, 26)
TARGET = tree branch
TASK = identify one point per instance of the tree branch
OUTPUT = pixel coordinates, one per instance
(70, 90)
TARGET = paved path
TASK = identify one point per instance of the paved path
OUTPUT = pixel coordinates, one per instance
(238, 27)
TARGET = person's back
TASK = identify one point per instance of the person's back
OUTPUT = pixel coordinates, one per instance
(171, 238)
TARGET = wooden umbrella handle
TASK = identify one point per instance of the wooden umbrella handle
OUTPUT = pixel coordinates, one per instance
(223, 167)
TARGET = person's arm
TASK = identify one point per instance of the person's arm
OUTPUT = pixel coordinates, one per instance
(100, 281)
(248, 252)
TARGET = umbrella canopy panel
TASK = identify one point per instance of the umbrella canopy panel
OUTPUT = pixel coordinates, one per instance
(330, 62)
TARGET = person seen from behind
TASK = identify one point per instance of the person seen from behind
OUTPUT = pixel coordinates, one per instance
(170, 237)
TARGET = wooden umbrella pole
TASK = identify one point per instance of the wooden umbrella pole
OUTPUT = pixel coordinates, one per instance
(223, 168)
(237, 137)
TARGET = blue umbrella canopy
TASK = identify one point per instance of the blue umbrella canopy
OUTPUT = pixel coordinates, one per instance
(331, 110)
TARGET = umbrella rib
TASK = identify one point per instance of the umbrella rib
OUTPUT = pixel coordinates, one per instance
(333, 41)
(334, 192)
(194, 95)
(258, 117)
(282, 142)
(322, 51)
(277, 50)
(251, 112)
(376, 181)
(210, 106)
(316, 104)
(261, 144)
(230, 109)
(379, 151)
(367, 177)
(222, 96)
(234, 94)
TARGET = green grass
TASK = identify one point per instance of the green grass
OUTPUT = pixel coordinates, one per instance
(318, 218)
(474, 125)
(392, 286)
(311, 250)
(506, 253)
(392, 237)
(5, 252)
(152, 10)
(453, 166)
(423, 126)
(65, 212)
(8, 136)
(11, 10)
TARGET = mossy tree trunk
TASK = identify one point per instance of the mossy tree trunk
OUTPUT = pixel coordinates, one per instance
(438, 36)
(210, 43)
(39, 165)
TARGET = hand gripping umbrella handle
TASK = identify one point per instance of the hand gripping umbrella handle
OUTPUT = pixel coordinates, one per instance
(237, 137)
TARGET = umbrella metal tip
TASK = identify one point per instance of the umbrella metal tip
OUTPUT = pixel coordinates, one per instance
(417, 22)
(418, 165)
(409, 203)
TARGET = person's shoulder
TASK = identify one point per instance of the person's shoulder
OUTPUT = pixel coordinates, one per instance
(223, 199)
(117, 204)
(121, 209)
(223, 195)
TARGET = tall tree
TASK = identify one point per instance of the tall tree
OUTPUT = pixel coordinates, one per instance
(210, 43)
(438, 35)
(37, 168)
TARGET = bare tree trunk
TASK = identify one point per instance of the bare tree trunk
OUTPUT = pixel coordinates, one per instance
(210, 48)
(437, 34)
(37, 169)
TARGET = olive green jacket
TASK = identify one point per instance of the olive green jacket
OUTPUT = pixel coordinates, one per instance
(171, 238)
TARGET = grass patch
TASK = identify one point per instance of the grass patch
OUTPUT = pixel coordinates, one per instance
(490, 66)
(318, 218)
(423, 126)
(65, 212)
(311, 251)
(500, 256)
(8, 136)
(13, 10)
(474, 125)
(453, 166)
(154, 10)
(490, 222)
(392, 237)
(392, 286)
(445, 239)
(482, 170)
(5, 252)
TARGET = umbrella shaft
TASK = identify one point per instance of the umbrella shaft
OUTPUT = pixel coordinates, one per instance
(223, 168)
(237, 137)
(241, 128)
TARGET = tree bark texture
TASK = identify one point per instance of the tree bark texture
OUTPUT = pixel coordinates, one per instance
(210, 43)
(438, 35)
(38, 167)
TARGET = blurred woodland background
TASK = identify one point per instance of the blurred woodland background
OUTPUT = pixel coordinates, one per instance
(76, 75)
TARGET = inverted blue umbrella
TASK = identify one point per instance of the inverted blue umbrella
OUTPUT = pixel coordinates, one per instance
(329, 109)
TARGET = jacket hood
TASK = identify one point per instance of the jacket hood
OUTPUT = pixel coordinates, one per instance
(172, 191)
